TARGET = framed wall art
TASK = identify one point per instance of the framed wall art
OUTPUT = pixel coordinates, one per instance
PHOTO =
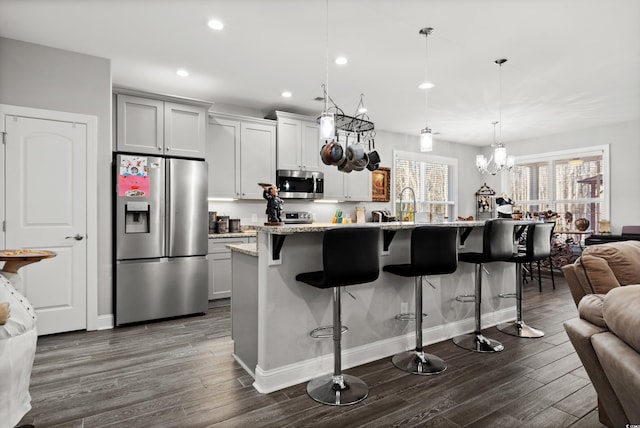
(381, 184)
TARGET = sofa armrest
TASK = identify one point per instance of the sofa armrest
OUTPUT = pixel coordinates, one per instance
(577, 292)
(580, 333)
(621, 364)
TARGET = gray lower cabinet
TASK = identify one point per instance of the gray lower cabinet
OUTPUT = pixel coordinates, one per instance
(219, 257)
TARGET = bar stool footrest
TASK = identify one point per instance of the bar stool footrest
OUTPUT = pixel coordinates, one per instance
(325, 390)
(420, 363)
(507, 295)
(326, 331)
(520, 329)
(478, 343)
(409, 316)
(466, 298)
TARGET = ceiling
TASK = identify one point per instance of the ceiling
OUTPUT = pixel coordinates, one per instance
(572, 64)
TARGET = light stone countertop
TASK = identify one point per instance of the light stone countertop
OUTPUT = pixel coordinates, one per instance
(248, 249)
(242, 234)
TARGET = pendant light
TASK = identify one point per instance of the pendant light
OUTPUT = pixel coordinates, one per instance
(426, 137)
(327, 121)
(501, 161)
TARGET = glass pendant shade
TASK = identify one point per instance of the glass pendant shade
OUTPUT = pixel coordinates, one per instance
(500, 156)
(426, 140)
(327, 126)
(482, 163)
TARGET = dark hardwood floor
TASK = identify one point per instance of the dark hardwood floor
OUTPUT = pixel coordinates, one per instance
(180, 373)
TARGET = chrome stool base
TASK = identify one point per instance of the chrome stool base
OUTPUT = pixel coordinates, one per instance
(478, 343)
(342, 390)
(520, 329)
(419, 362)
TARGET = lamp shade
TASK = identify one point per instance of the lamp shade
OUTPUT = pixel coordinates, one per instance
(426, 140)
(482, 163)
(327, 126)
(500, 156)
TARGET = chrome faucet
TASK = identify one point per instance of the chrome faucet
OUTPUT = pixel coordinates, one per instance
(413, 194)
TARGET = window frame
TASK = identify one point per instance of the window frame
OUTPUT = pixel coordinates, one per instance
(604, 149)
(452, 163)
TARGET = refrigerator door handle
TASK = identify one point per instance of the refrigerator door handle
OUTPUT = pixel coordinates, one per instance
(168, 217)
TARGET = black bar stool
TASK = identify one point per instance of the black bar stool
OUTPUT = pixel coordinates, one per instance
(497, 245)
(538, 247)
(349, 256)
(434, 251)
(550, 261)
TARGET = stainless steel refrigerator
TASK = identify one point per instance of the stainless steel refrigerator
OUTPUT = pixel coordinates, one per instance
(161, 226)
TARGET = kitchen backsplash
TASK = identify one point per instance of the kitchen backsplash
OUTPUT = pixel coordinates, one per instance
(253, 212)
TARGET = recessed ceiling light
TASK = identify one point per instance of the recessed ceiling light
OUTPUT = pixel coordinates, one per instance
(182, 72)
(215, 24)
(286, 94)
(341, 60)
(426, 85)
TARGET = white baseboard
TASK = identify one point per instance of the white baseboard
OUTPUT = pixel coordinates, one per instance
(267, 381)
(244, 366)
(105, 322)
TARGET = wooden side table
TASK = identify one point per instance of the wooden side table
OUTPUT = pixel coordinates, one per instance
(15, 259)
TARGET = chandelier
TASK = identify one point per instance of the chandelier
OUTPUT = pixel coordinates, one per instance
(501, 162)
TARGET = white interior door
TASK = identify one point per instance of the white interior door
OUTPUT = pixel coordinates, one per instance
(45, 190)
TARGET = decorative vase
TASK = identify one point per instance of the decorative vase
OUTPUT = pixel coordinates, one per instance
(582, 224)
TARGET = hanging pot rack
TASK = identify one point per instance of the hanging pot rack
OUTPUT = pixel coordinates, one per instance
(361, 131)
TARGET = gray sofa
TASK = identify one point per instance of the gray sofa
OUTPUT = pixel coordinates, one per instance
(605, 282)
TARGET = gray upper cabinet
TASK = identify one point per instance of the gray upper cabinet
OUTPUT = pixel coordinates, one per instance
(158, 127)
(223, 157)
(298, 142)
(184, 130)
(241, 153)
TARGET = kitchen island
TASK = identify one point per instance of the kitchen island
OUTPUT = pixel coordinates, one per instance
(272, 313)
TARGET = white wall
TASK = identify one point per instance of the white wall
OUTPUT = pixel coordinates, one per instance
(41, 77)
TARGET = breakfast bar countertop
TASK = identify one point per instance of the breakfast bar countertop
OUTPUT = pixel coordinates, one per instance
(396, 225)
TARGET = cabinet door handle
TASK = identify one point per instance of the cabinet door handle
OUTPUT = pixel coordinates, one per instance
(77, 237)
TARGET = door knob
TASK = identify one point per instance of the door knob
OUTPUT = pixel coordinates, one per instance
(77, 237)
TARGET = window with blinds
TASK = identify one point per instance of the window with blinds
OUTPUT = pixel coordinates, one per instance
(572, 186)
(432, 179)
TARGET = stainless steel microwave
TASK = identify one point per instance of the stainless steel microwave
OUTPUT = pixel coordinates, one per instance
(300, 184)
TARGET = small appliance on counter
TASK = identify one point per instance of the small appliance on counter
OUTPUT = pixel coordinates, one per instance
(297, 217)
(382, 216)
(222, 224)
(234, 225)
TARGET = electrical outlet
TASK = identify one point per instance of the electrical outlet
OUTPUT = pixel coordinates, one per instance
(404, 307)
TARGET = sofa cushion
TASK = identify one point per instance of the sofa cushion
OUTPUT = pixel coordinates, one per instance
(590, 309)
(621, 314)
(607, 266)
